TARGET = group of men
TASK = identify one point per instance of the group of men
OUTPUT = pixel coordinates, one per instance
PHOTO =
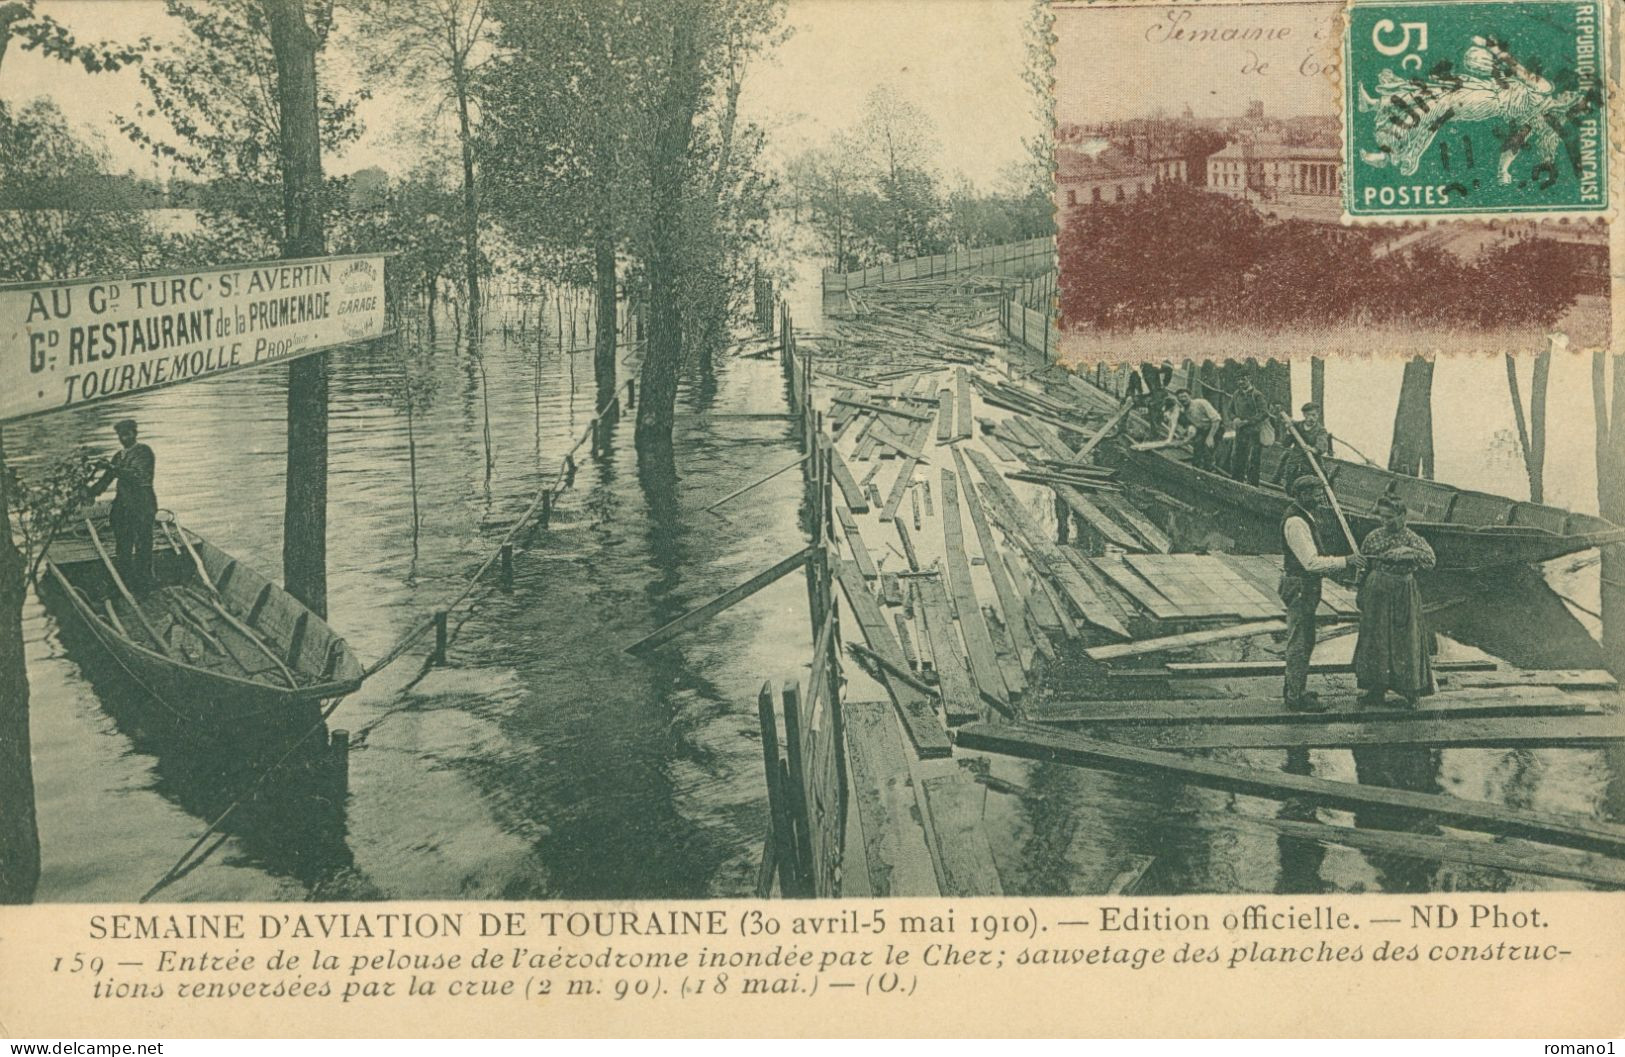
(1234, 440)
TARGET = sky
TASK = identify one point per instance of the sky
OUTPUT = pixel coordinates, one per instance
(1114, 62)
(960, 60)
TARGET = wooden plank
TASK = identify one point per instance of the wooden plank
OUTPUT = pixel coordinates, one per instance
(1010, 603)
(1045, 743)
(879, 410)
(962, 387)
(945, 416)
(1567, 679)
(998, 449)
(913, 708)
(906, 641)
(961, 844)
(1242, 669)
(978, 643)
(1161, 644)
(854, 540)
(1450, 733)
(699, 614)
(909, 556)
(854, 496)
(960, 700)
(1154, 537)
(891, 590)
(1132, 583)
(1503, 854)
(1096, 518)
(895, 845)
(1097, 584)
(900, 485)
(1344, 709)
(1044, 555)
(780, 832)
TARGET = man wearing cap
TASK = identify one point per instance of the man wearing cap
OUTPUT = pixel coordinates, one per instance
(1249, 409)
(1302, 567)
(1294, 464)
(135, 505)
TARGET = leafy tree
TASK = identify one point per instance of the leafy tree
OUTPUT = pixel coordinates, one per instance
(213, 109)
(46, 238)
(436, 47)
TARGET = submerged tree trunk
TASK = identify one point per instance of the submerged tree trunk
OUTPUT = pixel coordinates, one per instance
(304, 521)
(1611, 501)
(657, 403)
(19, 829)
(471, 209)
(1532, 437)
(603, 355)
(1412, 449)
(1317, 384)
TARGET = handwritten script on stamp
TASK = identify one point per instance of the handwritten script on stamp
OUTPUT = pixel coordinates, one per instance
(1488, 108)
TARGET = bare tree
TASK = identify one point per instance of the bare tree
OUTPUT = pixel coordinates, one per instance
(1611, 498)
(1412, 449)
(1532, 436)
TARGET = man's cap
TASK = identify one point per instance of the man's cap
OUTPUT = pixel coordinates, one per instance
(123, 424)
(1307, 481)
(1391, 504)
(1310, 406)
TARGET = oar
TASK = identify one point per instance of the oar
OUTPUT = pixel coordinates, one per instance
(1331, 496)
(118, 581)
(248, 633)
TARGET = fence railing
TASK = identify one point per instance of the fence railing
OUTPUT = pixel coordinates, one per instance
(807, 783)
(1031, 327)
(1033, 256)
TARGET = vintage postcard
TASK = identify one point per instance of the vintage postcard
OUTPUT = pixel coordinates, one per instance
(672, 517)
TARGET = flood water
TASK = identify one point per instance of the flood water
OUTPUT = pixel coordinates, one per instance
(543, 761)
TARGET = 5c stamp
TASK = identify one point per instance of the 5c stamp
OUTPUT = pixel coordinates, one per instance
(1460, 106)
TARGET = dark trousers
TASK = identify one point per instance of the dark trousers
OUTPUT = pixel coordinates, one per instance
(1301, 594)
(1246, 455)
(1201, 454)
(132, 545)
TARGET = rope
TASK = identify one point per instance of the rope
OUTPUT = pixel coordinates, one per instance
(187, 863)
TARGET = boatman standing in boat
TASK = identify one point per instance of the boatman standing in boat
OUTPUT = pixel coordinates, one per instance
(1294, 463)
(1302, 568)
(1250, 411)
(135, 505)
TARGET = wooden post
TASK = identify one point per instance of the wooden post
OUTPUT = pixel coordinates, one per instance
(800, 810)
(507, 567)
(19, 828)
(547, 505)
(631, 393)
(778, 809)
(338, 744)
(438, 657)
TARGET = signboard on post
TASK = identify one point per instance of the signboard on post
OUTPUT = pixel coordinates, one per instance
(63, 344)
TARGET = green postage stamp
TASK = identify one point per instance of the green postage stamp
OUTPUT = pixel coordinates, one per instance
(1459, 106)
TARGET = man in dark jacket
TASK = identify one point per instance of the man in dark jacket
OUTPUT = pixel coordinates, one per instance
(1303, 565)
(1249, 410)
(135, 505)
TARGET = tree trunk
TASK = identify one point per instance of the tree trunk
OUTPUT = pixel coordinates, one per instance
(1531, 437)
(1412, 449)
(603, 356)
(304, 521)
(19, 830)
(1611, 502)
(675, 126)
(471, 209)
(1317, 384)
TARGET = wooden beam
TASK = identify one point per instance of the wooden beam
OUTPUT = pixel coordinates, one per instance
(1241, 669)
(960, 700)
(905, 473)
(854, 540)
(699, 614)
(1453, 732)
(978, 643)
(913, 708)
(963, 853)
(1515, 856)
(1342, 709)
(1141, 647)
(1010, 602)
(963, 405)
(855, 499)
(895, 845)
(877, 409)
(1048, 744)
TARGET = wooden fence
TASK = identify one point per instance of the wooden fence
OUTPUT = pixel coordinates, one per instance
(1033, 257)
(1031, 327)
(807, 783)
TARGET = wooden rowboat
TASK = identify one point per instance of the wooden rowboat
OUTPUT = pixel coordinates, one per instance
(217, 643)
(1468, 530)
